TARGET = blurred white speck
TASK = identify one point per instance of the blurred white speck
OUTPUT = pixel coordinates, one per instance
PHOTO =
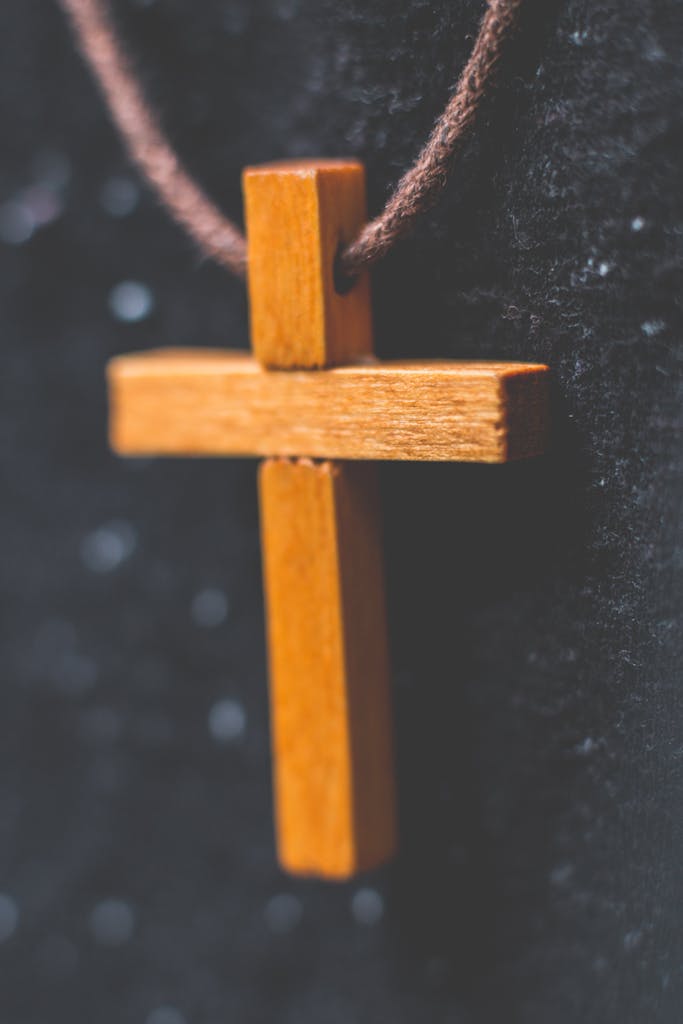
(101, 725)
(165, 1015)
(52, 169)
(105, 548)
(16, 222)
(227, 720)
(54, 637)
(283, 913)
(131, 301)
(367, 906)
(637, 224)
(561, 874)
(9, 917)
(632, 940)
(43, 203)
(112, 922)
(655, 52)
(236, 18)
(651, 328)
(579, 37)
(287, 9)
(109, 773)
(209, 607)
(604, 268)
(74, 674)
(119, 196)
(586, 747)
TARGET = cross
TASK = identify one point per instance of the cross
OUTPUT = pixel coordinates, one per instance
(315, 402)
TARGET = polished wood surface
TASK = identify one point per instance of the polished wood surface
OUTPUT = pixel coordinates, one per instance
(329, 669)
(329, 672)
(333, 770)
(298, 214)
(193, 402)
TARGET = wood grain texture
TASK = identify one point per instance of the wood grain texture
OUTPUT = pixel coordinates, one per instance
(298, 214)
(193, 402)
(329, 670)
(331, 723)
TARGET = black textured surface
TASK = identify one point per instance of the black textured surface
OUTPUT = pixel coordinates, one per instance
(533, 608)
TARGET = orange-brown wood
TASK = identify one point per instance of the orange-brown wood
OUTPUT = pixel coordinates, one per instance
(330, 715)
(329, 675)
(221, 403)
(298, 214)
(330, 707)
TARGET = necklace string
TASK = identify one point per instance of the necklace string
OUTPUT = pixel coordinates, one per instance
(216, 236)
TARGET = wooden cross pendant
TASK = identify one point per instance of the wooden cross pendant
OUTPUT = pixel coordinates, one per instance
(321, 430)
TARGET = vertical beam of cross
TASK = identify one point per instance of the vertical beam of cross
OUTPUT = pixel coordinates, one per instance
(329, 675)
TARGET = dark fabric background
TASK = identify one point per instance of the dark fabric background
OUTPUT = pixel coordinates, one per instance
(533, 607)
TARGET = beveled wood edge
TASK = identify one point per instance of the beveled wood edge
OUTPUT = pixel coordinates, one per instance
(236, 361)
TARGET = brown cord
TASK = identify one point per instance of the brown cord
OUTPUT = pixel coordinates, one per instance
(419, 188)
(217, 236)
